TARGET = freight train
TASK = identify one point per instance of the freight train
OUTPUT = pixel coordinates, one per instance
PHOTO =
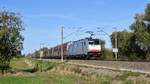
(84, 48)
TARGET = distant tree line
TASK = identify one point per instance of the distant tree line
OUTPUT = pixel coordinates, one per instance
(135, 44)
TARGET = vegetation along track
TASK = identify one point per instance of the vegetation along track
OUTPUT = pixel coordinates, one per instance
(142, 67)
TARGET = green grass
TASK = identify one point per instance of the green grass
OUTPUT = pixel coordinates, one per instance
(19, 80)
(59, 73)
(42, 78)
(46, 77)
(126, 74)
(44, 64)
(19, 63)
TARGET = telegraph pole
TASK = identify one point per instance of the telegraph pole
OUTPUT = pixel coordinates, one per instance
(41, 51)
(41, 54)
(48, 50)
(116, 49)
(62, 37)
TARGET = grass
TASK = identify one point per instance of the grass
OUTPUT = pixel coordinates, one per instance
(19, 80)
(51, 74)
(60, 73)
(44, 65)
(126, 74)
(19, 63)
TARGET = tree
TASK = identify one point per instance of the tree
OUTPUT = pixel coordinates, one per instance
(124, 39)
(135, 44)
(127, 48)
(141, 30)
(11, 40)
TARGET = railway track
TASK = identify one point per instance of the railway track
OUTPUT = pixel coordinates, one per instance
(142, 67)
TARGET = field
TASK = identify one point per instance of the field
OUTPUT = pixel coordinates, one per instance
(27, 71)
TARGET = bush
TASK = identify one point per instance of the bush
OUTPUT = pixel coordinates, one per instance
(107, 54)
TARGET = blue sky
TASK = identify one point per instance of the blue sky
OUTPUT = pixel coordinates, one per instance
(43, 18)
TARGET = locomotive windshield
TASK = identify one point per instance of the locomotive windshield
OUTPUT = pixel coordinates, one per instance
(94, 42)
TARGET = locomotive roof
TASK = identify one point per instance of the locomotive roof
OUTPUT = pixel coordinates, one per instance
(87, 39)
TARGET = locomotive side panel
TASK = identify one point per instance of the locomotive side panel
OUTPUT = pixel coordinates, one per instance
(78, 48)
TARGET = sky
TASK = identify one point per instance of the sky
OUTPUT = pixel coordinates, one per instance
(43, 19)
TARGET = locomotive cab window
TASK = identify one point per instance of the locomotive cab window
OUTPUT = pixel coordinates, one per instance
(95, 42)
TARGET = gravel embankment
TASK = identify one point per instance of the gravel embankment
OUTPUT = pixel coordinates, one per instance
(143, 67)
